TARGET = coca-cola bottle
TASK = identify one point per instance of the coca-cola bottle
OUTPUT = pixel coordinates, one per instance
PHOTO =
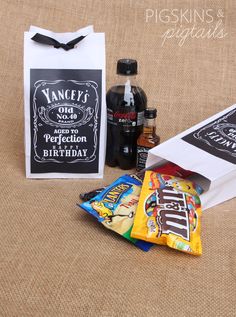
(126, 103)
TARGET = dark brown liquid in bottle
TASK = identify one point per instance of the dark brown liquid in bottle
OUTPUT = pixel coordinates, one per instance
(147, 140)
(125, 123)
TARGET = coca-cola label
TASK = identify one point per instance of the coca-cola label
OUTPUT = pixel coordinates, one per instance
(217, 137)
(125, 117)
(65, 120)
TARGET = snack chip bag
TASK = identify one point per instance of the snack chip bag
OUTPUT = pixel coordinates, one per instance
(169, 212)
(115, 207)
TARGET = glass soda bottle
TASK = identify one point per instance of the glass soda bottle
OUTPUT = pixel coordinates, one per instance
(126, 103)
(148, 139)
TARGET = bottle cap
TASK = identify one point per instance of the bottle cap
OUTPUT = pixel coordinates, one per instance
(150, 113)
(127, 66)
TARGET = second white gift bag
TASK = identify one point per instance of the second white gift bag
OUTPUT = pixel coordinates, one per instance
(65, 114)
(209, 150)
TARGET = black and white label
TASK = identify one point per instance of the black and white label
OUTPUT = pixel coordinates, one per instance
(142, 153)
(65, 108)
(217, 138)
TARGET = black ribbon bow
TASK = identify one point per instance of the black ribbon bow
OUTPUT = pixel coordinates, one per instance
(43, 39)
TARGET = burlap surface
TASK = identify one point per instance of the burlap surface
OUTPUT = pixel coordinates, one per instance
(55, 260)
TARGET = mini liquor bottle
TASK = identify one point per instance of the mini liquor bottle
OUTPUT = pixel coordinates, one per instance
(148, 139)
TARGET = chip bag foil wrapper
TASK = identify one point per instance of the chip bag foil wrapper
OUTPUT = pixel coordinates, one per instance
(115, 207)
(169, 213)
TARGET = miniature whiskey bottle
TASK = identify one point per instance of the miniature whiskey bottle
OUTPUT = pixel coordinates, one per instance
(148, 138)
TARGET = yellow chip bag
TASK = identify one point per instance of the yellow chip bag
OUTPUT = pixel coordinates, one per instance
(169, 212)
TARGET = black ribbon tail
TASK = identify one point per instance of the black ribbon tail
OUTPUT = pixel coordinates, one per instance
(43, 39)
(72, 43)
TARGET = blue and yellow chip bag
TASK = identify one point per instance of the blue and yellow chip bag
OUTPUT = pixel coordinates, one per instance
(115, 207)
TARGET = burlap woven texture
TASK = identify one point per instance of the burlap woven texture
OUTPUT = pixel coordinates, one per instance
(55, 260)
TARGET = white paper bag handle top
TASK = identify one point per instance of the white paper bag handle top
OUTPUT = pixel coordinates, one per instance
(87, 29)
(67, 36)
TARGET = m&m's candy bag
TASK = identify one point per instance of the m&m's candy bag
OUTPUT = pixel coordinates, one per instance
(169, 213)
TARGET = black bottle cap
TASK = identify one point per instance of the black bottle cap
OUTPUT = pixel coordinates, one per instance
(127, 66)
(150, 113)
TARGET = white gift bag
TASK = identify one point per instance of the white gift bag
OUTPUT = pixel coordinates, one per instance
(65, 107)
(208, 149)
